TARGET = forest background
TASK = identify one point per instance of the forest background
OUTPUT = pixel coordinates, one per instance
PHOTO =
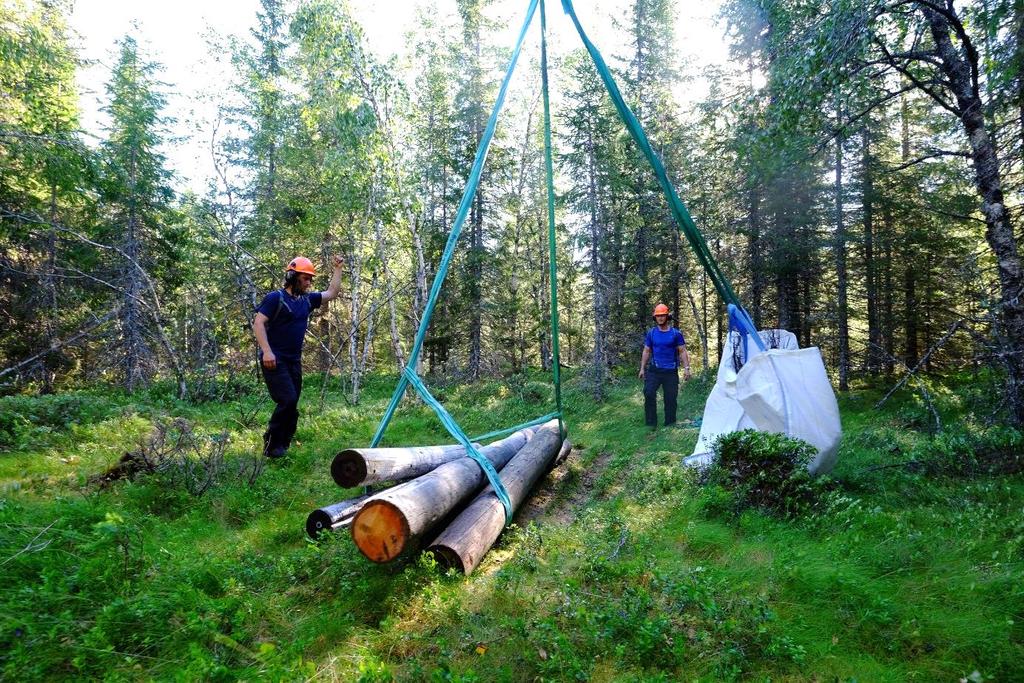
(853, 168)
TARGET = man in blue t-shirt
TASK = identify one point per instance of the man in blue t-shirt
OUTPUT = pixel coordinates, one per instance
(280, 327)
(664, 351)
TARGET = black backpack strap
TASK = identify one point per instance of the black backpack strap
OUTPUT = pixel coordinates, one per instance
(277, 309)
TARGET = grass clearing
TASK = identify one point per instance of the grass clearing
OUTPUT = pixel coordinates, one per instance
(908, 573)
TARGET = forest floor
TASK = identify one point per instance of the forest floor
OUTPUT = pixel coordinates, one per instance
(912, 567)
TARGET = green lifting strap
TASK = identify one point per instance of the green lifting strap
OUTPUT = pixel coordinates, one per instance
(682, 216)
(508, 430)
(552, 263)
(550, 173)
(409, 375)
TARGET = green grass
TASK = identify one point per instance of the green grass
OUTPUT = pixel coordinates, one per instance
(906, 574)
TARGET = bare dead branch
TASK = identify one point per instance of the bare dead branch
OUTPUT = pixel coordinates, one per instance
(915, 80)
(937, 154)
(59, 344)
(911, 372)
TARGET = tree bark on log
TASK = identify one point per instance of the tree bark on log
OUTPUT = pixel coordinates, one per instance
(333, 517)
(392, 519)
(468, 538)
(361, 466)
(563, 453)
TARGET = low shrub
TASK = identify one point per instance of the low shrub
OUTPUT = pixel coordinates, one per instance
(966, 453)
(763, 471)
(34, 421)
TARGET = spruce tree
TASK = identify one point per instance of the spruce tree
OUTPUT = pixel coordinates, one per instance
(139, 223)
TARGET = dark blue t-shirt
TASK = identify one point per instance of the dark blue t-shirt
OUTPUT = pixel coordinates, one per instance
(663, 347)
(287, 330)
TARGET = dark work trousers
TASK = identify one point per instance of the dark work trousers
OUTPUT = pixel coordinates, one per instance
(669, 381)
(285, 385)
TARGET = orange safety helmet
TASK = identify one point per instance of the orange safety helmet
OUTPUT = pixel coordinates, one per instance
(301, 264)
(661, 309)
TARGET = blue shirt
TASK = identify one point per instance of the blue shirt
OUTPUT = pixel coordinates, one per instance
(287, 323)
(663, 347)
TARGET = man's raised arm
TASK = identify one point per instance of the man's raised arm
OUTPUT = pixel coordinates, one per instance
(334, 288)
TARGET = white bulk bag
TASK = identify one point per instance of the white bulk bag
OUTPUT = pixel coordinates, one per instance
(784, 389)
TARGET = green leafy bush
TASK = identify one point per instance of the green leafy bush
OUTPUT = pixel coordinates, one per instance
(962, 452)
(759, 470)
(33, 421)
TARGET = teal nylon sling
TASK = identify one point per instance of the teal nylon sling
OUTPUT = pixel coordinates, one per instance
(679, 212)
(409, 376)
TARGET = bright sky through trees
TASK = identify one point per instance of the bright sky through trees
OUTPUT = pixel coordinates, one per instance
(176, 35)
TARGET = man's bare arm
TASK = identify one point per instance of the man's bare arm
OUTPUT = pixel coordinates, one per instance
(334, 288)
(684, 359)
(644, 358)
(259, 328)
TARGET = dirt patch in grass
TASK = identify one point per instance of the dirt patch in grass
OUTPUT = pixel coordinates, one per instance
(564, 491)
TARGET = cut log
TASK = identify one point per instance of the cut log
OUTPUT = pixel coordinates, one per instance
(468, 538)
(392, 519)
(361, 466)
(563, 453)
(333, 517)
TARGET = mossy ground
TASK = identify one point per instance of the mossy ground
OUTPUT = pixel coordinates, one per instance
(622, 574)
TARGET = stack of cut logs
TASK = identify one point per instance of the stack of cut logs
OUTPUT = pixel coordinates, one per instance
(438, 481)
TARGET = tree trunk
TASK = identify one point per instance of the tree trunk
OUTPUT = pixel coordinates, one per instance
(910, 316)
(643, 301)
(676, 278)
(754, 254)
(49, 287)
(476, 268)
(617, 296)
(355, 267)
(702, 332)
(599, 306)
(543, 337)
(786, 286)
(871, 284)
(371, 326)
(888, 321)
(131, 325)
(704, 315)
(389, 293)
(957, 69)
(841, 284)
(805, 304)
(476, 286)
(928, 306)
(719, 308)
(1018, 18)
(363, 466)
(323, 324)
(420, 299)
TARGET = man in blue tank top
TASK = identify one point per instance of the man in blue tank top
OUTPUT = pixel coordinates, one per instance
(280, 327)
(664, 351)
